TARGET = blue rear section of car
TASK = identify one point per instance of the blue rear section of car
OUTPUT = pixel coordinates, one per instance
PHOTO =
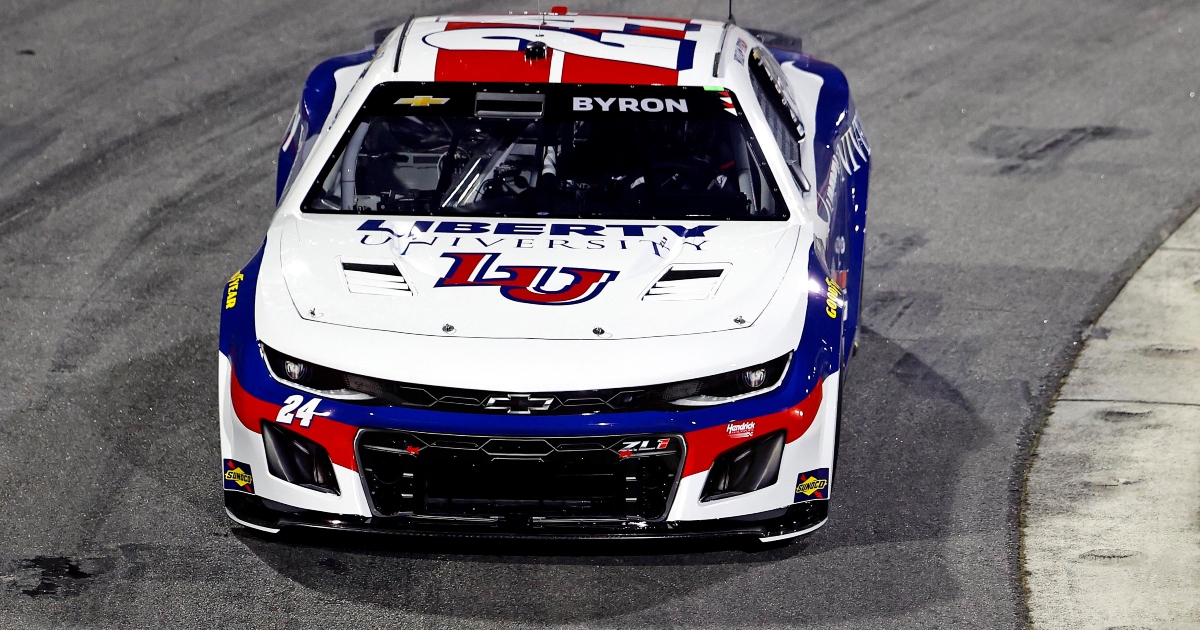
(842, 163)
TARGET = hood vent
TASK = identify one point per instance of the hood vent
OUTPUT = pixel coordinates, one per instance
(688, 282)
(374, 278)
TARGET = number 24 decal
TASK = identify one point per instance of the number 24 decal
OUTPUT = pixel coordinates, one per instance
(292, 408)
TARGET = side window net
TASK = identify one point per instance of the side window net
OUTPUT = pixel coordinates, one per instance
(772, 95)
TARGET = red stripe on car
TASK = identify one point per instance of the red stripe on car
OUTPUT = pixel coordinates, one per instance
(490, 65)
(337, 438)
(705, 445)
(580, 69)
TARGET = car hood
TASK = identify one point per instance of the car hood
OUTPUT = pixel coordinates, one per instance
(531, 278)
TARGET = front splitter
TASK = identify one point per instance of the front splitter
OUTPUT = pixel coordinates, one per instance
(791, 522)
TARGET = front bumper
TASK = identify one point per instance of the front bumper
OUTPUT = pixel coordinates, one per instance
(774, 512)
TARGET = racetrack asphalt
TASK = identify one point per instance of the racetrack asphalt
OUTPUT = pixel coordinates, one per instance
(1028, 155)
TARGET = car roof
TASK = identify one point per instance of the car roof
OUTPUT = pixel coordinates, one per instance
(581, 49)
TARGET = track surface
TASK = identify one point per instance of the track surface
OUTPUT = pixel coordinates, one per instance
(1027, 154)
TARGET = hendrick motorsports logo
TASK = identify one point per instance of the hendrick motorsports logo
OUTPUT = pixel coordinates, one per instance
(812, 485)
(740, 429)
(238, 477)
(526, 284)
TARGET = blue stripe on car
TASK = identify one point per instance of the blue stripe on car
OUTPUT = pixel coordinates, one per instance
(817, 356)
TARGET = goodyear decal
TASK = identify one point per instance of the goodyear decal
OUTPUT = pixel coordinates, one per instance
(832, 298)
(231, 290)
(238, 477)
(812, 485)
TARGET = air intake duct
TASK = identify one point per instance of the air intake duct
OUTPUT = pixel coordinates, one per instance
(297, 459)
(746, 468)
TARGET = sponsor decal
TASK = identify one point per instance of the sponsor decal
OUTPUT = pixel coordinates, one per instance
(849, 155)
(739, 51)
(422, 101)
(654, 445)
(526, 284)
(232, 290)
(615, 104)
(812, 485)
(740, 429)
(238, 477)
(832, 298)
(513, 235)
(852, 150)
(476, 228)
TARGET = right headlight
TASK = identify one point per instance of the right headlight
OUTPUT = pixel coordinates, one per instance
(711, 390)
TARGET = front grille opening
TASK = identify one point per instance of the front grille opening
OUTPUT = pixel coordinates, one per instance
(520, 480)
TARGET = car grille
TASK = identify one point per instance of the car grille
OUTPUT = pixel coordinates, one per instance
(520, 480)
(494, 402)
(665, 396)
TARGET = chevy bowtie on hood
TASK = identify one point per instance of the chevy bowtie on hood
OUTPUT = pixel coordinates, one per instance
(533, 278)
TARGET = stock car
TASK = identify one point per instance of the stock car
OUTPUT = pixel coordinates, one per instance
(551, 276)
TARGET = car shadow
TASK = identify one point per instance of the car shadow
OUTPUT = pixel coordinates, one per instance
(906, 437)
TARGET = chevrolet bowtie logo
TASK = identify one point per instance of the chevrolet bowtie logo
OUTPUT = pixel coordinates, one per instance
(518, 403)
(422, 101)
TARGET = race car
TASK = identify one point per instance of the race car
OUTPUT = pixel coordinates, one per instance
(551, 276)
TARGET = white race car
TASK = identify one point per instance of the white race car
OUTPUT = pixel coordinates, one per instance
(551, 275)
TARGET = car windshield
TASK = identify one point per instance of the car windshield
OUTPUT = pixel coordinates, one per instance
(549, 151)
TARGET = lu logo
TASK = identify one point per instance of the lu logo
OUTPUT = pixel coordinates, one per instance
(524, 283)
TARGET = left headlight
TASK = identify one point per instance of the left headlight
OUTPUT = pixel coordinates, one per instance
(309, 376)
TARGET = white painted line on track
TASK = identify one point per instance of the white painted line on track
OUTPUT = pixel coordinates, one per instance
(1111, 523)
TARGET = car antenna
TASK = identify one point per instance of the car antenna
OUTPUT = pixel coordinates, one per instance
(536, 49)
(731, 20)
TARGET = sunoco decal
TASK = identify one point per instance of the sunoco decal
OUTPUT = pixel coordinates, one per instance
(812, 485)
(238, 477)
